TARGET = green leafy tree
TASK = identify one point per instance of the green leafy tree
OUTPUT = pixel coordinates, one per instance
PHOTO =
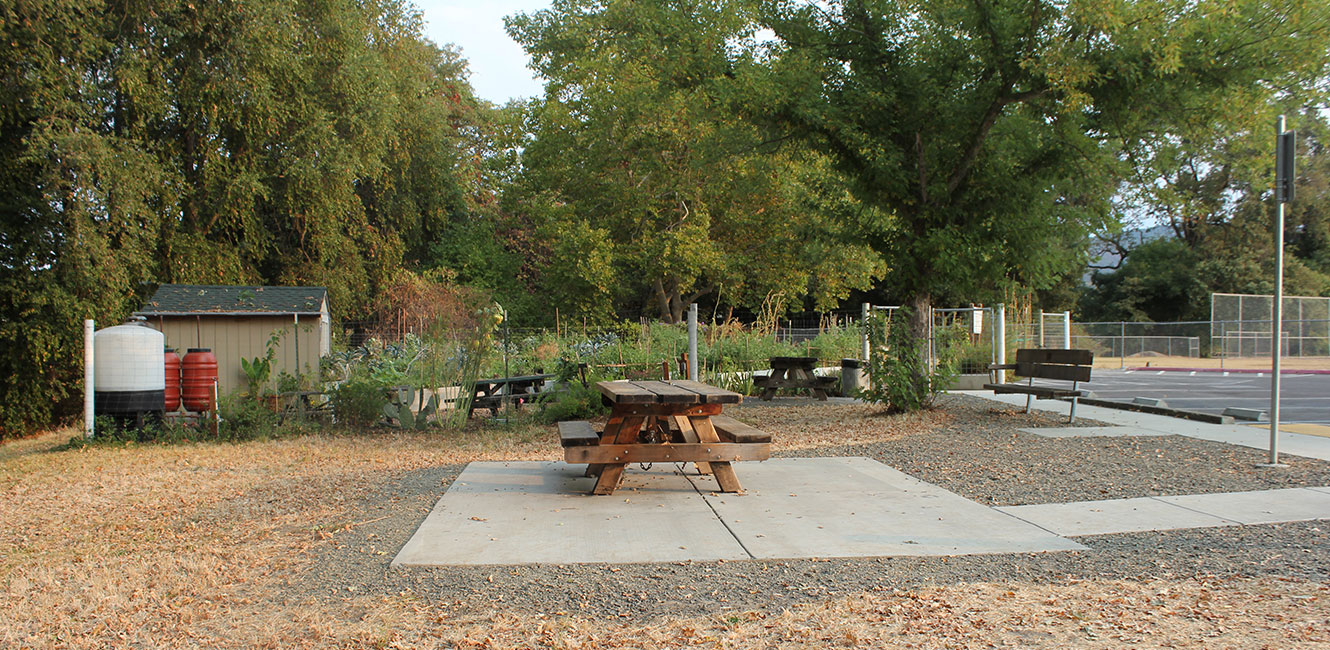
(636, 153)
(277, 142)
(992, 134)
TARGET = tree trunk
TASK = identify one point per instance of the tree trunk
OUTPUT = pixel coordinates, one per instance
(921, 306)
(663, 301)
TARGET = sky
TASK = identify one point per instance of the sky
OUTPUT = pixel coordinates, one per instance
(498, 64)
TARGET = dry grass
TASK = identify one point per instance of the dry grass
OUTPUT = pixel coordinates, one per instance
(1243, 363)
(192, 545)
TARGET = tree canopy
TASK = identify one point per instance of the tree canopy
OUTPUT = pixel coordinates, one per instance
(992, 135)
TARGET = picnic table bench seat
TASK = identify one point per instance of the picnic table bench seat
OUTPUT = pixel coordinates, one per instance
(577, 433)
(1059, 365)
(732, 430)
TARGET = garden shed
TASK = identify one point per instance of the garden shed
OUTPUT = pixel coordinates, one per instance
(239, 321)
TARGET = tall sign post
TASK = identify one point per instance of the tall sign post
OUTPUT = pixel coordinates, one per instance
(1285, 147)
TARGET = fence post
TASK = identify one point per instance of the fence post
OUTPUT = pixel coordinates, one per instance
(1000, 339)
(89, 407)
(692, 341)
(1066, 330)
(1122, 346)
(1041, 328)
(863, 325)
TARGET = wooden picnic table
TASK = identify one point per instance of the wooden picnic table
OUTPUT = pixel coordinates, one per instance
(664, 422)
(792, 372)
(492, 393)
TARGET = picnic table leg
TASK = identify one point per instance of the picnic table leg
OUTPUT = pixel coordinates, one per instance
(769, 392)
(623, 431)
(809, 378)
(724, 474)
(690, 435)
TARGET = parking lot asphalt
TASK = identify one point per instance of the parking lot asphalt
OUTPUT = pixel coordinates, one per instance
(1303, 397)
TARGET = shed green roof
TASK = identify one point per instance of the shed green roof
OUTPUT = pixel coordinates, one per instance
(192, 299)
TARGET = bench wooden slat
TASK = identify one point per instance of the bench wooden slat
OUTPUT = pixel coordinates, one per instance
(686, 452)
(1066, 357)
(1042, 392)
(732, 430)
(625, 392)
(1052, 371)
(710, 394)
(667, 393)
(577, 433)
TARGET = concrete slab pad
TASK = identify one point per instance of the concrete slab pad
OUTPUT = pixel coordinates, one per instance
(1321, 489)
(540, 512)
(858, 507)
(533, 512)
(1261, 506)
(1113, 516)
(1091, 432)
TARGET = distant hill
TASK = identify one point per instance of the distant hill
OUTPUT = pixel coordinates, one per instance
(1103, 255)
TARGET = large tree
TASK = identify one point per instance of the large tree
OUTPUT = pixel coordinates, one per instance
(652, 190)
(991, 131)
(212, 142)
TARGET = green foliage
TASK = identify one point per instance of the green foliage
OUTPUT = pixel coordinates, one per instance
(281, 142)
(258, 369)
(898, 368)
(358, 403)
(649, 189)
(991, 137)
(400, 414)
(572, 401)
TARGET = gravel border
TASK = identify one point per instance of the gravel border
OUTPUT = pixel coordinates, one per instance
(979, 455)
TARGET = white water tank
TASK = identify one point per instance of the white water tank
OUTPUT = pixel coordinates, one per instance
(129, 371)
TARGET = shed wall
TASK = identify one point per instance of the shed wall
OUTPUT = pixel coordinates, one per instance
(234, 337)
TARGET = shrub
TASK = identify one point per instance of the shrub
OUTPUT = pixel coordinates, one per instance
(898, 371)
(575, 402)
(358, 402)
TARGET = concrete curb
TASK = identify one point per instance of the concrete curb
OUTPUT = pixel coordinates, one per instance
(1158, 410)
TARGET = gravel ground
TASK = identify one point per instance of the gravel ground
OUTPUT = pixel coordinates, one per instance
(978, 454)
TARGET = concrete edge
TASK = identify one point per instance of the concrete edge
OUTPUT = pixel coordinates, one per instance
(1158, 410)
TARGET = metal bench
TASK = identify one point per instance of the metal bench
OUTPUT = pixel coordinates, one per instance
(1060, 365)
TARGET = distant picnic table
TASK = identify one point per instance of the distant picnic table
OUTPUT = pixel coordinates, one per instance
(793, 373)
(493, 392)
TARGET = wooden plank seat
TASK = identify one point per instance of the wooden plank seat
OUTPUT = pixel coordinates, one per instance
(577, 433)
(732, 430)
(1058, 365)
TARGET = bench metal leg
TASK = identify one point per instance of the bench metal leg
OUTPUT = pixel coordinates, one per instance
(1072, 418)
(1028, 399)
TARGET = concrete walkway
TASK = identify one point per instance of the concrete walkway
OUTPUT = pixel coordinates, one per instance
(1146, 424)
(540, 512)
(1168, 513)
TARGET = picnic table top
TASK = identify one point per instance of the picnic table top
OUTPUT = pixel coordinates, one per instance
(793, 361)
(666, 392)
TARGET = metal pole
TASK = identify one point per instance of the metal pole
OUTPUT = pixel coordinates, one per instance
(1066, 330)
(1277, 325)
(863, 326)
(692, 341)
(89, 405)
(1122, 346)
(1000, 339)
(1041, 328)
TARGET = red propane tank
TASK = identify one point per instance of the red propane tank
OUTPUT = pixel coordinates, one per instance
(172, 380)
(199, 370)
